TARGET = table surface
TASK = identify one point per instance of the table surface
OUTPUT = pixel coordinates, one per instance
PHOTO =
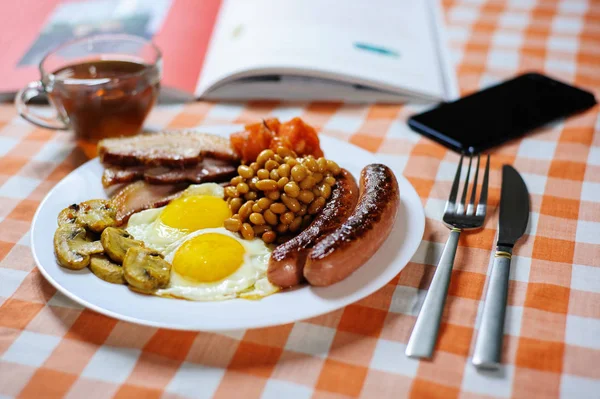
(51, 347)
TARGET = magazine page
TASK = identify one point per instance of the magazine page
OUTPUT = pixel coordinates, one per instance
(357, 42)
(182, 29)
(298, 88)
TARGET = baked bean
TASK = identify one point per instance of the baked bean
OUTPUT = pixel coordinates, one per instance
(230, 191)
(232, 224)
(329, 180)
(307, 183)
(302, 211)
(252, 183)
(278, 208)
(299, 172)
(270, 217)
(278, 158)
(281, 228)
(296, 223)
(318, 177)
(235, 205)
(254, 166)
(245, 210)
(269, 236)
(264, 156)
(292, 189)
(316, 206)
(325, 190)
(292, 203)
(316, 192)
(251, 196)
(285, 152)
(274, 175)
(266, 185)
(287, 218)
(247, 231)
(271, 164)
(291, 161)
(264, 203)
(263, 174)
(333, 167)
(273, 195)
(284, 170)
(245, 171)
(260, 229)
(282, 182)
(322, 162)
(257, 218)
(256, 208)
(237, 180)
(242, 188)
(311, 164)
(306, 196)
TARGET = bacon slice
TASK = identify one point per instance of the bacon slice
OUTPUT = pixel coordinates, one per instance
(174, 149)
(116, 175)
(209, 170)
(140, 195)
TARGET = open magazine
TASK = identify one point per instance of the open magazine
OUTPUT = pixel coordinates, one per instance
(356, 50)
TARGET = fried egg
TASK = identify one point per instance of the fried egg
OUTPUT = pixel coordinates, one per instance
(199, 207)
(216, 264)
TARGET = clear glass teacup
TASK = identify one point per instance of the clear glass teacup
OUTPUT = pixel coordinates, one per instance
(100, 86)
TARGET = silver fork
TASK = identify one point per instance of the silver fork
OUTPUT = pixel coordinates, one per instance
(424, 334)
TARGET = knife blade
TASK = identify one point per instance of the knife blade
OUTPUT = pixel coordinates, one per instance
(512, 224)
(514, 207)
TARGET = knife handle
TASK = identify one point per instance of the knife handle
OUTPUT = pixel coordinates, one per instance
(488, 347)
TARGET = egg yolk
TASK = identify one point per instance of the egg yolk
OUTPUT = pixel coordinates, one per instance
(196, 212)
(208, 257)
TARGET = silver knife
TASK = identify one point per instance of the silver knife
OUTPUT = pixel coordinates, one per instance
(514, 215)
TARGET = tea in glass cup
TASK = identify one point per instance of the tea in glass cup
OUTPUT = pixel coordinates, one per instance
(100, 86)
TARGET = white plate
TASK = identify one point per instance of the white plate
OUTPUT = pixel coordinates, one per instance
(285, 307)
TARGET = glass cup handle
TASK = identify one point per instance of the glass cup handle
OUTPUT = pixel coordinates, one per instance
(24, 95)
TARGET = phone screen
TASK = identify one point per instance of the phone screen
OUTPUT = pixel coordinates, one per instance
(492, 116)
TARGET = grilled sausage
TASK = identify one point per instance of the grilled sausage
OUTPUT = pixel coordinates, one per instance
(287, 260)
(347, 248)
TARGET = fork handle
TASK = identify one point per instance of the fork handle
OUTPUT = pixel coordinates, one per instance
(488, 347)
(424, 334)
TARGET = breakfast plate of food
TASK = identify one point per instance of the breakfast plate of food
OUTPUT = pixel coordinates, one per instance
(226, 227)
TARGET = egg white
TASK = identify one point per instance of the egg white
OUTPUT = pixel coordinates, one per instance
(147, 226)
(248, 281)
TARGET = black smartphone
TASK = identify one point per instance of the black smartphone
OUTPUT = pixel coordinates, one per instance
(500, 113)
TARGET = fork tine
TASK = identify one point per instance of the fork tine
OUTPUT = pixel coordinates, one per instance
(482, 204)
(471, 206)
(460, 209)
(454, 190)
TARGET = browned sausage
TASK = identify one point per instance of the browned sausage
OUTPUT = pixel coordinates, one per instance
(287, 260)
(347, 248)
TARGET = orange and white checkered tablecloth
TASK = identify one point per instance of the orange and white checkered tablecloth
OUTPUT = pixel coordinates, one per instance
(50, 347)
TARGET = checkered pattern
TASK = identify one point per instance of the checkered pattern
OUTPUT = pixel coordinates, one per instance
(50, 347)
